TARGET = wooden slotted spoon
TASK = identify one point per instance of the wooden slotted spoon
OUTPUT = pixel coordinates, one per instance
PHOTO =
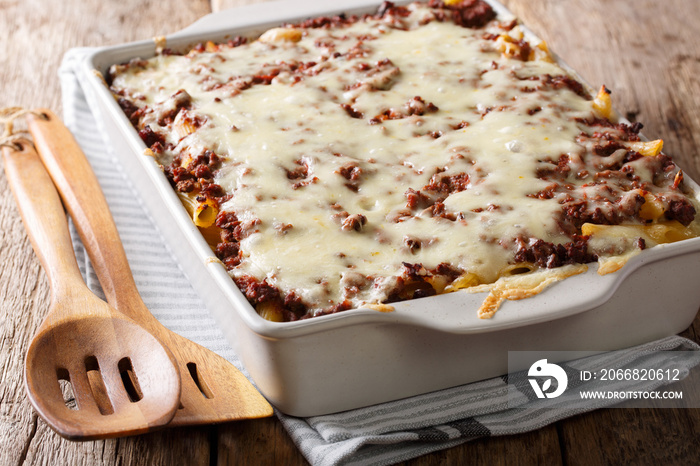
(123, 379)
(213, 390)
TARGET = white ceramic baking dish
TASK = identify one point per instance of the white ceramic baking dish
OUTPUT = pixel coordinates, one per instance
(362, 357)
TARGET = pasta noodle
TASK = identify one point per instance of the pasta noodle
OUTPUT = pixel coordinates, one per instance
(205, 213)
(648, 149)
(602, 103)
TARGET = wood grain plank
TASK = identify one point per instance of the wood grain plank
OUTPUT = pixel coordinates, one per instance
(35, 34)
(524, 449)
(643, 50)
(23, 290)
(38, 33)
(218, 5)
(262, 441)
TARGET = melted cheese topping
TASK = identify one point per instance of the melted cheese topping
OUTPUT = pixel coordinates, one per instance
(320, 158)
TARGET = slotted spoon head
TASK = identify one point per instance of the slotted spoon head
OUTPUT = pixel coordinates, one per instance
(213, 390)
(124, 380)
(100, 377)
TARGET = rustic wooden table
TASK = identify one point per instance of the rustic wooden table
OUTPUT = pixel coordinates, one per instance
(646, 51)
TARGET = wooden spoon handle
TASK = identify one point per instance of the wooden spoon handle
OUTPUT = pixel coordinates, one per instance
(78, 185)
(43, 216)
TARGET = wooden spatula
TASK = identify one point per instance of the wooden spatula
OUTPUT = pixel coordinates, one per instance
(213, 390)
(124, 381)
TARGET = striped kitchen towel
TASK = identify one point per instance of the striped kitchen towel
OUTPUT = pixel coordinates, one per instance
(381, 434)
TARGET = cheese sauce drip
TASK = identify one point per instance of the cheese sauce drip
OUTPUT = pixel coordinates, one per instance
(335, 158)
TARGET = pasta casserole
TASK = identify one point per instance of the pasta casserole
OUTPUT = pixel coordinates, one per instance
(351, 162)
